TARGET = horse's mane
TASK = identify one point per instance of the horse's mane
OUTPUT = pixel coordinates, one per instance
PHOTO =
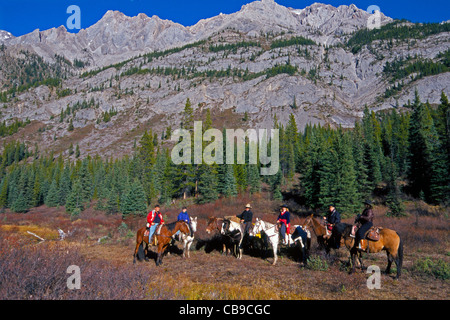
(172, 225)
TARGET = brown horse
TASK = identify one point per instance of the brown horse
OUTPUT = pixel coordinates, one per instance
(164, 238)
(216, 224)
(389, 241)
(320, 230)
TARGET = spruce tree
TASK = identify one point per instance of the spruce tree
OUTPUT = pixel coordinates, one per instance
(52, 198)
(228, 187)
(74, 201)
(208, 184)
(135, 201)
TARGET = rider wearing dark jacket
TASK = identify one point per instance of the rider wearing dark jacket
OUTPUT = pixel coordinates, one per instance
(246, 218)
(333, 216)
(365, 220)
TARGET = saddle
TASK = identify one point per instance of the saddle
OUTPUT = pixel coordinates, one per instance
(373, 234)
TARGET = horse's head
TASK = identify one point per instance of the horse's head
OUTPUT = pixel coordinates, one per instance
(183, 227)
(258, 227)
(212, 224)
(194, 224)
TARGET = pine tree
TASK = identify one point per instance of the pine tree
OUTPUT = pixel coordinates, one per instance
(77, 151)
(393, 201)
(253, 178)
(208, 184)
(373, 154)
(112, 202)
(135, 201)
(52, 198)
(4, 193)
(70, 128)
(428, 170)
(65, 185)
(229, 188)
(74, 201)
(363, 187)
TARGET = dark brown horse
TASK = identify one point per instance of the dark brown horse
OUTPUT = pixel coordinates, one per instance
(215, 223)
(164, 238)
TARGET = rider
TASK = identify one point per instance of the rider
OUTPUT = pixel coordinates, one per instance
(184, 216)
(154, 219)
(285, 221)
(246, 218)
(333, 217)
(364, 221)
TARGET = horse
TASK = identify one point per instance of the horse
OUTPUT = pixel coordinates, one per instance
(320, 230)
(187, 239)
(164, 238)
(273, 235)
(389, 241)
(235, 233)
(216, 224)
(302, 235)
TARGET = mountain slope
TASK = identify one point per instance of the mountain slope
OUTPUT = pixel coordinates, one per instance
(124, 74)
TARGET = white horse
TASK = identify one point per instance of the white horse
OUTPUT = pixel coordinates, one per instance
(235, 232)
(188, 239)
(273, 235)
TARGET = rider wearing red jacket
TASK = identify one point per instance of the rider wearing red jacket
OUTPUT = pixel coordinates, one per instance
(285, 221)
(154, 219)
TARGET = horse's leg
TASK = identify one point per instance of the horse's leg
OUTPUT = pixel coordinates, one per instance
(353, 254)
(390, 259)
(135, 252)
(188, 248)
(146, 252)
(275, 257)
(184, 248)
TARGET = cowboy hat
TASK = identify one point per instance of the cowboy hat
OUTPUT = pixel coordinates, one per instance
(248, 206)
(368, 202)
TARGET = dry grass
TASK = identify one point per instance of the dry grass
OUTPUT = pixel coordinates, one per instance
(107, 265)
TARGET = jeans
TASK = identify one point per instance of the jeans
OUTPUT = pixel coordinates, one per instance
(152, 231)
(283, 231)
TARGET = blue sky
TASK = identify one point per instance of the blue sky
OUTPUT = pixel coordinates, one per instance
(23, 16)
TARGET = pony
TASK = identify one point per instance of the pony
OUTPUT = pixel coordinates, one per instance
(234, 231)
(163, 237)
(390, 241)
(273, 235)
(187, 239)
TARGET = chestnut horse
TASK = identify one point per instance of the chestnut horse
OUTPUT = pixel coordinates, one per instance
(320, 230)
(164, 238)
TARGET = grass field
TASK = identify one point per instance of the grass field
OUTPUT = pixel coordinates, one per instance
(102, 246)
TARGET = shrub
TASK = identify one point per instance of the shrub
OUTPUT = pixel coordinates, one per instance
(316, 263)
(437, 268)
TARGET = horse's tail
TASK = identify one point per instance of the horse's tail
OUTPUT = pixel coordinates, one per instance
(141, 253)
(400, 254)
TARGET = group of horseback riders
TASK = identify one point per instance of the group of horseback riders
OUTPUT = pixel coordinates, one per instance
(363, 221)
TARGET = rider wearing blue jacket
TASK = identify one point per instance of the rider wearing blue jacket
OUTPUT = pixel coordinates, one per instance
(183, 216)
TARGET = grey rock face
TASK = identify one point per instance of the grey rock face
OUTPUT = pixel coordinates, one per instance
(332, 84)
